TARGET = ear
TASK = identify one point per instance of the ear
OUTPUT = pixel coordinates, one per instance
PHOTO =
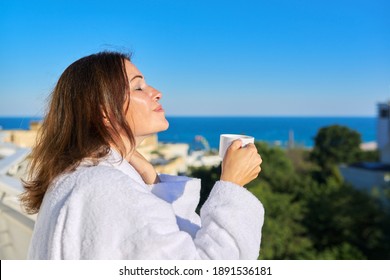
(106, 120)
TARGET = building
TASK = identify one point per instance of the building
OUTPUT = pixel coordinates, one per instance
(22, 138)
(366, 175)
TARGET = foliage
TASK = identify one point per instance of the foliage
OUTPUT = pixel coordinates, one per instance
(335, 144)
(368, 156)
(277, 169)
(342, 217)
(283, 234)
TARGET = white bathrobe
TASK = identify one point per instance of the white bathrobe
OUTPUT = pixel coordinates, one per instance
(106, 211)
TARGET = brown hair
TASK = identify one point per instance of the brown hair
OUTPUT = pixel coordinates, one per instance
(91, 92)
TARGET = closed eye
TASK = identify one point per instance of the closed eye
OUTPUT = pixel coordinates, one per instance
(140, 87)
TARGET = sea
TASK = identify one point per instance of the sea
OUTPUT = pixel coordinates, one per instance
(204, 132)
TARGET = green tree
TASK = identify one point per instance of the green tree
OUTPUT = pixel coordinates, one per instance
(347, 222)
(369, 156)
(335, 144)
(276, 169)
(283, 235)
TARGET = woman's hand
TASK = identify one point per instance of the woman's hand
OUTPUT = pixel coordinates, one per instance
(143, 167)
(241, 165)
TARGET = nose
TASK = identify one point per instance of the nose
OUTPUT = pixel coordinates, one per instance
(156, 95)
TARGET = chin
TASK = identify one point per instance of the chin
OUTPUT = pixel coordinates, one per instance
(157, 125)
(161, 126)
(165, 126)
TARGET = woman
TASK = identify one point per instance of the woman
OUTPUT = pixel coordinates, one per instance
(98, 198)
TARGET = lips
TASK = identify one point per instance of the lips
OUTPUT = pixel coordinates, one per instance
(159, 109)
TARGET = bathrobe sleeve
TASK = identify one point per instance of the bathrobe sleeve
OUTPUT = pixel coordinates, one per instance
(110, 216)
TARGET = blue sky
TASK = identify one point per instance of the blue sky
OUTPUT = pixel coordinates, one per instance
(265, 58)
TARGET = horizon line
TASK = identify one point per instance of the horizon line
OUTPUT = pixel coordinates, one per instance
(229, 116)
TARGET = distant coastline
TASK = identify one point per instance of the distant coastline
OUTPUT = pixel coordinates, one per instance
(272, 129)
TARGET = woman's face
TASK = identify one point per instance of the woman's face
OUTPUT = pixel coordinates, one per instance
(144, 115)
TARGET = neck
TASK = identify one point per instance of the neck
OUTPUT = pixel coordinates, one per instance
(139, 140)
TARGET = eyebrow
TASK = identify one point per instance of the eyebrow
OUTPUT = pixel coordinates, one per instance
(136, 76)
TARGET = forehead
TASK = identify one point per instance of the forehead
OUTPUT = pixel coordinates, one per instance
(131, 70)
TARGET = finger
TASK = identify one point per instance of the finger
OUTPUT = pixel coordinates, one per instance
(236, 144)
(256, 171)
(256, 162)
(260, 160)
(251, 146)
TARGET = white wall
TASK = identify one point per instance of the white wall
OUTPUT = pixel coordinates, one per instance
(363, 179)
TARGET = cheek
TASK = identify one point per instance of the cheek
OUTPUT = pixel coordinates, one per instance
(138, 114)
(138, 106)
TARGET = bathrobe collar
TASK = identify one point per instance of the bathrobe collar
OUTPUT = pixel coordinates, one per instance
(115, 159)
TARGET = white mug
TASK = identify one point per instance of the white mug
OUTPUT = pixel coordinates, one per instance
(226, 140)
